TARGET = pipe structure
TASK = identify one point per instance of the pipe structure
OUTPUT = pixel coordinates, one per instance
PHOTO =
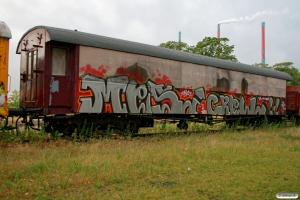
(218, 35)
(263, 47)
(179, 41)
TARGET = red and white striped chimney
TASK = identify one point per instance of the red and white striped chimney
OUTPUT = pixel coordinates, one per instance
(263, 47)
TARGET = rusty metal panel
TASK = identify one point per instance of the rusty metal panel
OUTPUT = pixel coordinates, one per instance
(181, 75)
(60, 86)
(257, 84)
(33, 38)
(221, 80)
(292, 101)
(108, 63)
(238, 82)
(59, 93)
(193, 75)
(293, 98)
(118, 82)
(292, 88)
(4, 50)
(217, 79)
(276, 87)
(23, 78)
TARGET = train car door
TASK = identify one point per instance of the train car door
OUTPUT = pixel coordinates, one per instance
(31, 77)
(60, 92)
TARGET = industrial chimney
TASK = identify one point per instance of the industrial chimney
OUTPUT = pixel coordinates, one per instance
(179, 41)
(263, 47)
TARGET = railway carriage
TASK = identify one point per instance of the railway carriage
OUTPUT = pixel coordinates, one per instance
(5, 35)
(70, 77)
(293, 101)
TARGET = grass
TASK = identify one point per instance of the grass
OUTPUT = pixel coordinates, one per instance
(230, 164)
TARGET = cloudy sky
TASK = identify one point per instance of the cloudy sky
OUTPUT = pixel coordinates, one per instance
(157, 21)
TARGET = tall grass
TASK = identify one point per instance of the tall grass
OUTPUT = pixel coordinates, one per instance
(235, 163)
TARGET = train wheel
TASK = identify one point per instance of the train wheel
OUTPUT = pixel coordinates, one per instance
(186, 126)
(21, 124)
(48, 127)
(3, 122)
(132, 129)
(183, 125)
(68, 131)
(34, 122)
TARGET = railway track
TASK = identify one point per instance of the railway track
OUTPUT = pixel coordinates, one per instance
(161, 127)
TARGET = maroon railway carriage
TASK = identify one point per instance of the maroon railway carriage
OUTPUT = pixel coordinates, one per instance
(69, 77)
(293, 101)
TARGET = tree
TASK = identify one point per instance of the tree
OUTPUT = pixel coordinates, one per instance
(209, 46)
(215, 47)
(286, 67)
(181, 46)
(14, 99)
(267, 66)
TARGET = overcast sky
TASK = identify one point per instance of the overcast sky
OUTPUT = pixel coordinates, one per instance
(157, 21)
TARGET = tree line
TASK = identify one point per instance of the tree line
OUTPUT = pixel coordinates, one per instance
(219, 48)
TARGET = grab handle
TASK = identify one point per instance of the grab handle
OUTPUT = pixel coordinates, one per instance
(9, 83)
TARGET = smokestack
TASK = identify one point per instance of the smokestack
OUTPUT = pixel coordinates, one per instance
(179, 41)
(218, 34)
(263, 47)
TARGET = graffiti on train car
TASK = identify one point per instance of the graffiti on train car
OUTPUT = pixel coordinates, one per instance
(137, 93)
(3, 99)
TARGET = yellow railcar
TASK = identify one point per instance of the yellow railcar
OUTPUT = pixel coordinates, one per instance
(5, 35)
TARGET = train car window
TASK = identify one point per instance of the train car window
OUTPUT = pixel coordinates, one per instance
(31, 64)
(29, 67)
(59, 61)
(23, 62)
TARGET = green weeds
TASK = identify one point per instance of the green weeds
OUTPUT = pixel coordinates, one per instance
(109, 131)
(128, 132)
(90, 132)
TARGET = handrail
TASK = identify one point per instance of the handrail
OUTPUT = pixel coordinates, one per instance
(9, 83)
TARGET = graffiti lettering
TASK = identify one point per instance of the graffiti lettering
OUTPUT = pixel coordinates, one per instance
(130, 97)
(230, 105)
(121, 94)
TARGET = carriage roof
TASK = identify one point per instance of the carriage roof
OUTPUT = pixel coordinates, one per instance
(98, 41)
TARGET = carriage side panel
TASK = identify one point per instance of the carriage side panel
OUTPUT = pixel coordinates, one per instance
(117, 82)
